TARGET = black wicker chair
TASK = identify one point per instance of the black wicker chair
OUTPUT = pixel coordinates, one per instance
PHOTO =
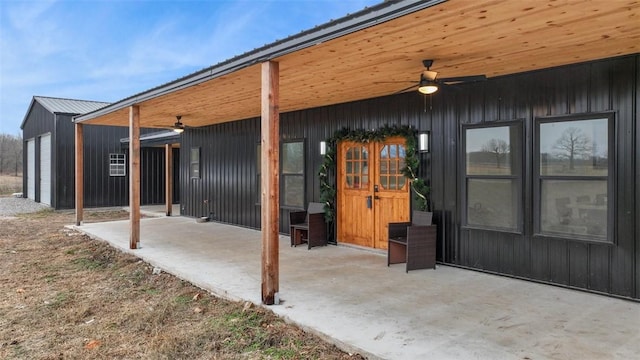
(413, 243)
(308, 226)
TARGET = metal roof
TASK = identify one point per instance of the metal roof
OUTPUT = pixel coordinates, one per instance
(69, 106)
(64, 106)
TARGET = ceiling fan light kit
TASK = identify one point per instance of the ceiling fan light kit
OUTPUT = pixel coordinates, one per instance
(427, 86)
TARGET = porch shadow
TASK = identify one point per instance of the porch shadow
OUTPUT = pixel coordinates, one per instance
(351, 298)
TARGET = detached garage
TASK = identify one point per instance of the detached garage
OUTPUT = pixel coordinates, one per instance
(49, 154)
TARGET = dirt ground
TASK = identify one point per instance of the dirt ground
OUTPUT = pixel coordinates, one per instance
(65, 296)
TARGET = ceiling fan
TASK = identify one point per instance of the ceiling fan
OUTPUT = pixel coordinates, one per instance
(178, 126)
(429, 81)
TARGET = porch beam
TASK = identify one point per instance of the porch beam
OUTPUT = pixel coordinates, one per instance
(270, 161)
(168, 180)
(134, 176)
(79, 164)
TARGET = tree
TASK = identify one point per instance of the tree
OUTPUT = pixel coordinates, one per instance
(10, 154)
(499, 148)
(573, 144)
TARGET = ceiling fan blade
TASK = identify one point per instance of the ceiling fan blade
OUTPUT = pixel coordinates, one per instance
(396, 82)
(459, 79)
(403, 90)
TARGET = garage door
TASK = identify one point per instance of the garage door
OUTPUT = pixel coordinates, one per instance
(31, 169)
(45, 169)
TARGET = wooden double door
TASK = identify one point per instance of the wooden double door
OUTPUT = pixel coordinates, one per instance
(372, 191)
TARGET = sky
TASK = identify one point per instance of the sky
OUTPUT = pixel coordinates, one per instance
(107, 50)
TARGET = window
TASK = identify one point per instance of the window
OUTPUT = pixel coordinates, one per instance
(194, 163)
(292, 170)
(573, 172)
(357, 167)
(292, 190)
(117, 165)
(493, 176)
(391, 164)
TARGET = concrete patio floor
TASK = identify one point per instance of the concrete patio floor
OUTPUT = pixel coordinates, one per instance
(351, 298)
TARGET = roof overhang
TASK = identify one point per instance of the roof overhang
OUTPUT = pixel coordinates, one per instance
(379, 51)
(157, 138)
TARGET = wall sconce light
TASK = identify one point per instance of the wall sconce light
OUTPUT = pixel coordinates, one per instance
(423, 142)
(323, 148)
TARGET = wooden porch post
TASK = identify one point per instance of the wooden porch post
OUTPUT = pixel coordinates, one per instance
(134, 176)
(168, 177)
(79, 174)
(270, 129)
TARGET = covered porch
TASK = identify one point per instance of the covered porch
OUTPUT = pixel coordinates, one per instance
(351, 298)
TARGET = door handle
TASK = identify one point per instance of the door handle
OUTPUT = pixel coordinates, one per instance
(369, 202)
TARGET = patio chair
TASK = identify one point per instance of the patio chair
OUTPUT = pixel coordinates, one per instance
(308, 226)
(413, 243)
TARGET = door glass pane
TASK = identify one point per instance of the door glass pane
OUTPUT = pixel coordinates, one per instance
(384, 153)
(488, 151)
(574, 148)
(574, 207)
(384, 167)
(492, 203)
(392, 183)
(393, 153)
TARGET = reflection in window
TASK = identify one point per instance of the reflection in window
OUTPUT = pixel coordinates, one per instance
(489, 151)
(574, 207)
(391, 164)
(574, 177)
(490, 202)
(493, 176)
(574, 148)
(357, 167)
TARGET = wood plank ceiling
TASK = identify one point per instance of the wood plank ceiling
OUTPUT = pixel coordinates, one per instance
(464, 37)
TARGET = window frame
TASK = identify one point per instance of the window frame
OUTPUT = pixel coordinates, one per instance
(517, 176)
(116, 165)
(610, 178)
(283, 175)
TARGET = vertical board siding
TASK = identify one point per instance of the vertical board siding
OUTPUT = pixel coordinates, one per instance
(228, 186)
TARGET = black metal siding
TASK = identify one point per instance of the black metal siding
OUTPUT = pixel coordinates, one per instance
(609, 85)
(228, 187)
(99, 141)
